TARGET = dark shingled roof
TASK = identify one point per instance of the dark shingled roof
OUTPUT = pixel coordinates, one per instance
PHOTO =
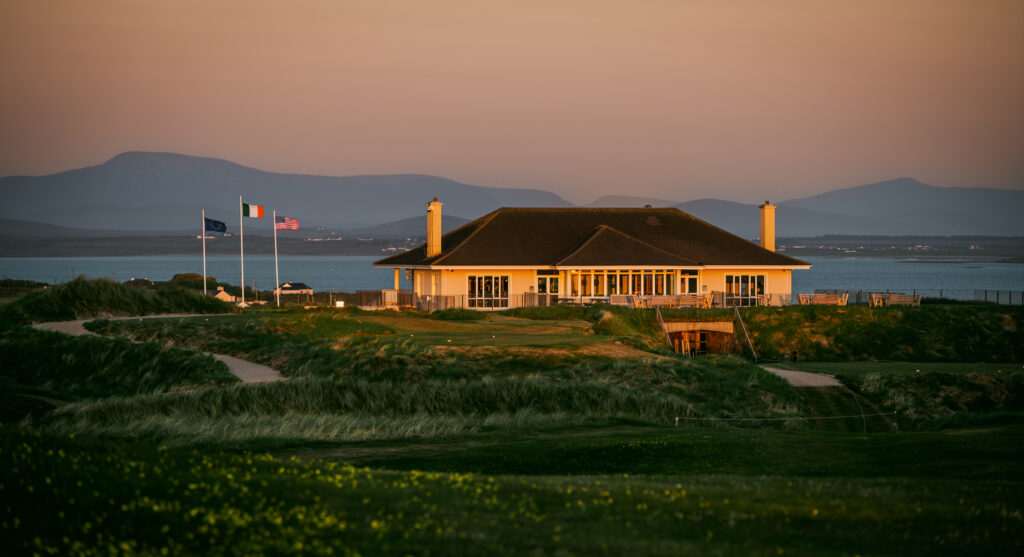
(290, 286)
(590, 237)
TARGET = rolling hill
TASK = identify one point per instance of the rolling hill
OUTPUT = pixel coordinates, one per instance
(166, 191)
(150, 192)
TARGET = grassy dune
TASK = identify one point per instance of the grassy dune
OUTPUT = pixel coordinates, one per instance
(82, 298)
(930, 333)
(304, 410)
(532, 431)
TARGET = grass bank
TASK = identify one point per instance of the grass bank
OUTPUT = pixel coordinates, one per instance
(929, 395)
(930, 333)
(345, 344)
(82, 298)
(142, 499)
(690, 449)
(43, 368)
(305, 410)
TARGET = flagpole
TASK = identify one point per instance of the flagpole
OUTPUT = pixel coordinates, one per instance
(277, 279)
(203, 232)
(241, 244)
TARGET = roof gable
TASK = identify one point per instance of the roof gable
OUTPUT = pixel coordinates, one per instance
(608, 246)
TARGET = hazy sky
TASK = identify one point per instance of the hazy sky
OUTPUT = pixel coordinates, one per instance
(678, 99)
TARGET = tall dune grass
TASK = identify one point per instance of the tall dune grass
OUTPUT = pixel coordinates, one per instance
(387, 398)
(90, 366)
(82, 298)
(321, 409)
(258, 432)
(932, 333)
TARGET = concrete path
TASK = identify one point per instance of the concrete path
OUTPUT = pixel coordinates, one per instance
(804, 379)
(248, 372)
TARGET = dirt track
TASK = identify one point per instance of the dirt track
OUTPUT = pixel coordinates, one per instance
(804, 379)
(248, 372)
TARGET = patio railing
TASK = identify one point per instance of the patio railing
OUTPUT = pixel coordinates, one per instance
(404, 299)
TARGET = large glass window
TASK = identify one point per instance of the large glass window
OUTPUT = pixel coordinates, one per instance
(488, 291)
(743, 290)
(600, 282)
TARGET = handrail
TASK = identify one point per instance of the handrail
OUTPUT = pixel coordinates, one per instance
(664, 329)
(744, 327)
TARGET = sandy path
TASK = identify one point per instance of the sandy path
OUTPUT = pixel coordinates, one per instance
(803, 378)
(248, 372)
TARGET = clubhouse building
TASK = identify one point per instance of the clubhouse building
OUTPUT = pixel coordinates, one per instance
(516, 257)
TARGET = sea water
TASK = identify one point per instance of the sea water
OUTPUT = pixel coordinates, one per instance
(954, 278)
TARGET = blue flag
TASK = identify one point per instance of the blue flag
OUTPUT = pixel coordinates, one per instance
(215, 225)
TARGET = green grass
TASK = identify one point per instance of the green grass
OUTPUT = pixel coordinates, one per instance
(304, 410)
(457, 315)
(860, 369)
(548, 313)
(88, 298)
(45, 364)
(929, 395)
(340, 344)
(548, 431)
(71, 496)
(934, 333)
(689, 449)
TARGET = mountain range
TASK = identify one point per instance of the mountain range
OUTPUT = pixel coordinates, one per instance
(150, 192)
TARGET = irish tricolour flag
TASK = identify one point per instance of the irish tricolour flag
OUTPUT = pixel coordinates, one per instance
(252, 210)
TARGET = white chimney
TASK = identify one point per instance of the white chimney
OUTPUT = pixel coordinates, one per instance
(768, 226)
(434, 228)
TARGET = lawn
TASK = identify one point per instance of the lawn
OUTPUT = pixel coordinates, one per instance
(549, 431)
(990, 454)
(84, 496)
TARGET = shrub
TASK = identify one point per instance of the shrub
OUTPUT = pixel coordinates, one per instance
(548, 313)
(456, 314)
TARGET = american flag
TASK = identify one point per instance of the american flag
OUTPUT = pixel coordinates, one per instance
(286, 223)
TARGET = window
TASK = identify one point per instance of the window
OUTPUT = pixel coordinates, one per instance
(743, 290)
(488, 291)
(547, 285)
(688, 282)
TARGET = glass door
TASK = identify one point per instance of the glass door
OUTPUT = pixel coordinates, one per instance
(547, 290)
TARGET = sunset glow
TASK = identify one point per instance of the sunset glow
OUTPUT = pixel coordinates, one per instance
(671, 99)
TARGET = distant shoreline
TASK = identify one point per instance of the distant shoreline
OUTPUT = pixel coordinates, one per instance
(912, 248)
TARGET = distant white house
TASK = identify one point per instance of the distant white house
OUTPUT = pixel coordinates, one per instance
(223, 296)
(293, 288)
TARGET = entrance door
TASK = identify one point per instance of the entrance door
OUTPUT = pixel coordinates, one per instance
(547, 290)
